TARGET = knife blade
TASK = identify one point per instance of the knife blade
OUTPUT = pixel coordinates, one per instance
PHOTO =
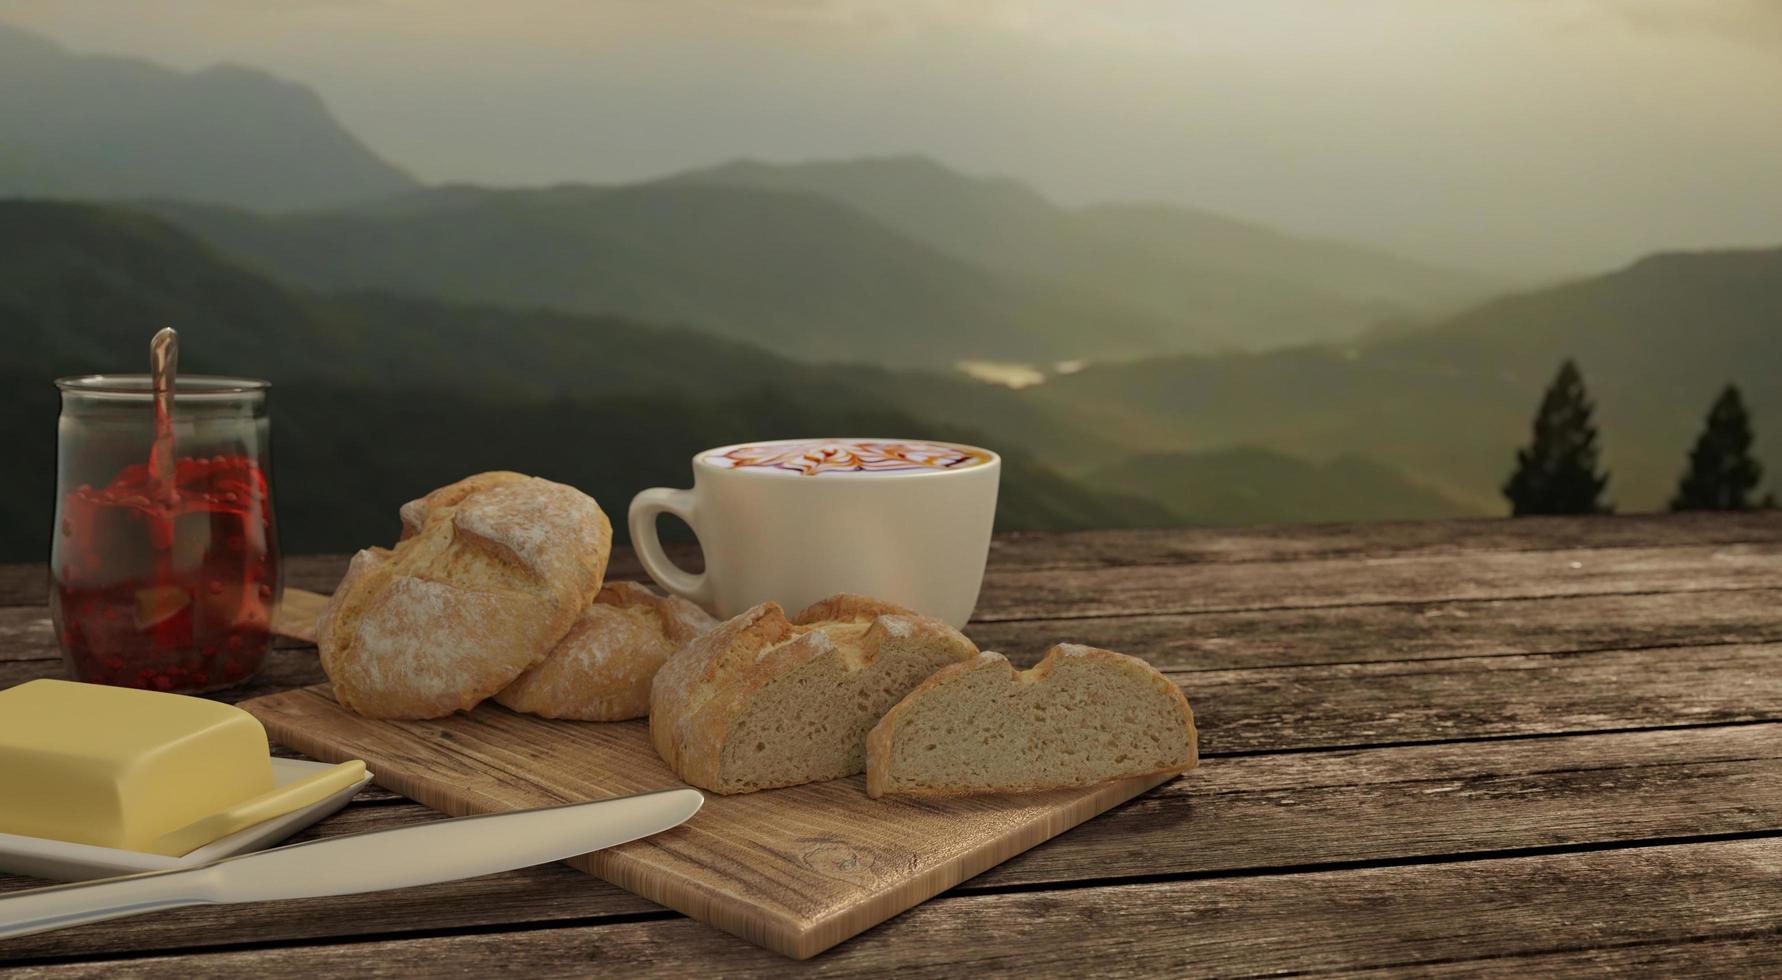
(444, 850)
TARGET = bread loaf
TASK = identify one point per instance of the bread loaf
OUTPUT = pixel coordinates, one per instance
(602, 669)
(489, 574)
(763, 701)
(1079, 717)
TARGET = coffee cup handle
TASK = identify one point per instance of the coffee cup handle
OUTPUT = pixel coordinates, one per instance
(642, 520)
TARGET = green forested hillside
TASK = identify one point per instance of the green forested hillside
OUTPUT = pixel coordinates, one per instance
(803, 276)
(377, 399)
(1246, 485)
(1217, 281)
(1448, 405)
(898, 262)
(107, 127)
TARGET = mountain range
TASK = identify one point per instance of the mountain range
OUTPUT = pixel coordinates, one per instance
(1233, 373)
(894, 260)
(1448, 404)
(105, 127)
(377, 398)
(796, 273)
(1223, 283)
(1249, 485)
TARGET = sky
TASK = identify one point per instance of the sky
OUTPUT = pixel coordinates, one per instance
(1514, 137)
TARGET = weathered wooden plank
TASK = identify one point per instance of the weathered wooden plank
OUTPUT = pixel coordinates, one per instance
(25, 584)
(1394, 804)
(1755, 955)
(26, 633)
(1336, 634)
(1155, 546)
(1317, 635)
(1368, 704)
(1017, 593)
(316, 573)
(1351, 919)
(1026, 593)
(28, 584)
(1410, 631)
(285, 668)
(1234, 815)
(1343, 705)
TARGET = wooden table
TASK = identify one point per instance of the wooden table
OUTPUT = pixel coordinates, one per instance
(1464, 748)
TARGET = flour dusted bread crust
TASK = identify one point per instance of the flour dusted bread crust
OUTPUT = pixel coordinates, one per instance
(1080, 716)
(489, 574)
(763, 701)
(601, 670)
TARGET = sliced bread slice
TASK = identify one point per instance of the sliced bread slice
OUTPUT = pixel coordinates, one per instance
(1080, 716)
(764, 701)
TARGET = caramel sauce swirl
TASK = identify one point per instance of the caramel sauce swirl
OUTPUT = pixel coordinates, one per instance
(822, 456)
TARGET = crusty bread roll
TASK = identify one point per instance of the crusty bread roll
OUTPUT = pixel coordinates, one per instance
(601, 670)
(490, 573)
(1080, 716)
(762, 701)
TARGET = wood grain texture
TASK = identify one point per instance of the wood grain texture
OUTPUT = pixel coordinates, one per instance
(795, 870)
(28, 584)
(26, 633)
(1324, 707)
(298, 610)
(1240, 815)
(1279, 637)
(1395, 918)
(1019, 591)
(284, 669)
(24, 585)
(1411, 631)
(1757, 954)
(1272, 709)
(1402, 700)
(1014, 592)
(1199, 545)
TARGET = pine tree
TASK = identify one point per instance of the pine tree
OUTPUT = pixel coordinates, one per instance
(1557, 473)
(1722, 473)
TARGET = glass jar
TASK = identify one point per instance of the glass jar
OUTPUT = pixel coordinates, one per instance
(165, 582)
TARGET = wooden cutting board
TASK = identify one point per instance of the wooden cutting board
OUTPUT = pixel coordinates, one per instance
(795, 870)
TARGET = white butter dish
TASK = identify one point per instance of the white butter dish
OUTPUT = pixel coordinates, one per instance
(64, 861)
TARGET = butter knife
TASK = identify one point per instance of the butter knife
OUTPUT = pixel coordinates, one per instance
(444, 850)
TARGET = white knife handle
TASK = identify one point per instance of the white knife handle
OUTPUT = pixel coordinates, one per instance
(43, 909)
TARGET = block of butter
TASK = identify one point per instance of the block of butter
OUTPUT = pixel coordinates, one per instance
(138, 770)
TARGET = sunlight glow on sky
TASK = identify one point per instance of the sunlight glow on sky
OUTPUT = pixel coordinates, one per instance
(1523, 135)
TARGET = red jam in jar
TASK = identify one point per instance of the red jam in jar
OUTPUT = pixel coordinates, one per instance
(166, 584)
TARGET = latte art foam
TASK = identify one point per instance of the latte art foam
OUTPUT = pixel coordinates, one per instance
(862, 456)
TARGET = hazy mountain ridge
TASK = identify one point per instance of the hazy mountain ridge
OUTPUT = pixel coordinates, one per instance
(1249, 485)
(378, 398)
(810, 278)
(1219, 281)
(89, 126)
(1448, 405)
(896, 260)
(403, 296)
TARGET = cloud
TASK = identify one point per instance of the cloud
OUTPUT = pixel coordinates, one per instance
(1742, 21)
(1528, 134)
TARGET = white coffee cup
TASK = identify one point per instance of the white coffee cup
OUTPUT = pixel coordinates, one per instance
(798, 520)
